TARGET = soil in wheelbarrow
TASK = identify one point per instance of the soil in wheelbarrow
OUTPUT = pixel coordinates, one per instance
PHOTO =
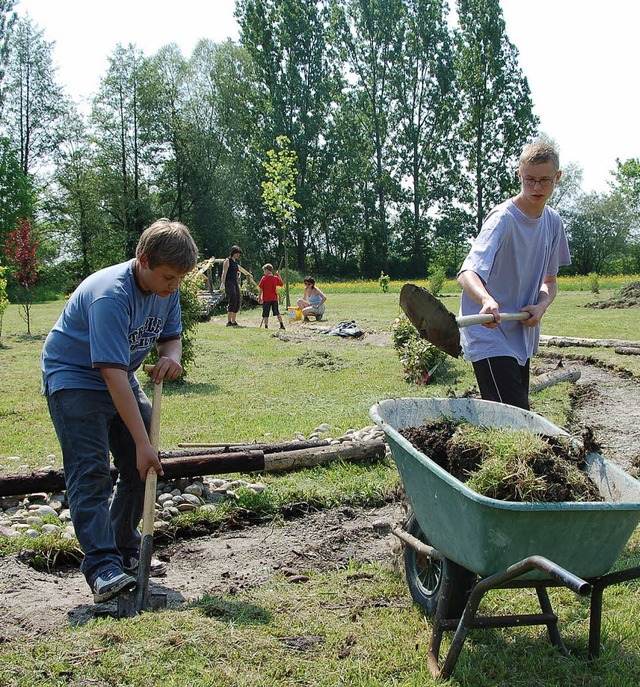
(510, 465)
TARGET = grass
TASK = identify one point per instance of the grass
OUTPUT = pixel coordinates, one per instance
(353, 627)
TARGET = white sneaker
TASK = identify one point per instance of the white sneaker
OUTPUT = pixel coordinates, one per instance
(156, 569)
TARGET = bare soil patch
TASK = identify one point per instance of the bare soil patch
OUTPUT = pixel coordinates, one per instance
(628, 297)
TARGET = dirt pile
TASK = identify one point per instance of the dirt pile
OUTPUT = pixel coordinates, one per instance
(510, 465)
(628, 297)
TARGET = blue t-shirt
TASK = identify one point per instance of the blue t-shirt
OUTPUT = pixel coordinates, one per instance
(512, 255)
(107, 322)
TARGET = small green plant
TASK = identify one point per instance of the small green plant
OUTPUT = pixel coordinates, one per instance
(594, 282)
(437, 278)
(4, 300)
(419, 358)
(384, 281)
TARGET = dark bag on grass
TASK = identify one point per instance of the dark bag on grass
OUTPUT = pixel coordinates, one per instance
(346, 329)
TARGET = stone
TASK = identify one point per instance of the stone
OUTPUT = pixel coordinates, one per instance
(50, 528)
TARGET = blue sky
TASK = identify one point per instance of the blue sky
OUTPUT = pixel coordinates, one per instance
(580, 59)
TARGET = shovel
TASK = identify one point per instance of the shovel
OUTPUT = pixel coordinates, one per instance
(437, 324)
(134, 602)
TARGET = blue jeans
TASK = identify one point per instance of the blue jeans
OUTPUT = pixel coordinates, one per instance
(88, 427)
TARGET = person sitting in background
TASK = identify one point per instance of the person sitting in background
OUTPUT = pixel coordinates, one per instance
(312, 301)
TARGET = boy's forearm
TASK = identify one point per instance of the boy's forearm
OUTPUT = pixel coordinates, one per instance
(117, 382)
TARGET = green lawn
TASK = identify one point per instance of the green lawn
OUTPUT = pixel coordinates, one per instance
(248, 384)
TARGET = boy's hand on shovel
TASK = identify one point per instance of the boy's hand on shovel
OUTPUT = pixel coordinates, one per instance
(165, 368)
(147, 458)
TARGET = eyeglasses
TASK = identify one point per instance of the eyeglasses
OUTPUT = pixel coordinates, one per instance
(545, 182)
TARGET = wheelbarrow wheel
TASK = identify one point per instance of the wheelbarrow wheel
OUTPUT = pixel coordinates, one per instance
(424, 577)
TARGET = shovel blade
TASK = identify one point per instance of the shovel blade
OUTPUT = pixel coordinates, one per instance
(430, 317)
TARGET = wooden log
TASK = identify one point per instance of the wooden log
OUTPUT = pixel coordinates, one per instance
(349, 451)
(563, 341)
(211, 464)
(627, 350)
(207, 449)
(571, 374)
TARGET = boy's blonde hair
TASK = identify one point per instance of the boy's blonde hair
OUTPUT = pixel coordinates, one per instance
(538, 153)
(168, 243)
(268, 266)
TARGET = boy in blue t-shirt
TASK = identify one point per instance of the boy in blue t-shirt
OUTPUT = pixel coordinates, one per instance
(89, 359)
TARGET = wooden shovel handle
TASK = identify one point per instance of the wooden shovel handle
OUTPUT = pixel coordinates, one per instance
(466, 320)
(151, 482)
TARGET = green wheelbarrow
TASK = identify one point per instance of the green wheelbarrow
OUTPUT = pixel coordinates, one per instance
(459, 544)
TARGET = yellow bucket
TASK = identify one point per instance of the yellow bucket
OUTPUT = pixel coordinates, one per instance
(294, 313)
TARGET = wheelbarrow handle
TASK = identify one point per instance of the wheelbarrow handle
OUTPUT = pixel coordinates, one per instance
(467, 320)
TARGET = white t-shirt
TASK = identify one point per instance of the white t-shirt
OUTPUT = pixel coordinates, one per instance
(512, 255)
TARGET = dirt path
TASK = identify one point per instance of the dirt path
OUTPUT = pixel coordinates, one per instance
(32, 602)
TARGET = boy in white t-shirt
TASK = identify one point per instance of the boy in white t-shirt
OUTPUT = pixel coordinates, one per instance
(512, 267)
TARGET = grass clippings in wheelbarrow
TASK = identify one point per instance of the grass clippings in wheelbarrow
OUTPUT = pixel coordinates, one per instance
(510, 465)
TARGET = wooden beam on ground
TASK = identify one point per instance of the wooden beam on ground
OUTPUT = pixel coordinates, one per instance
(627, 350)
(564, 341)
(571, 374)
(219, 463)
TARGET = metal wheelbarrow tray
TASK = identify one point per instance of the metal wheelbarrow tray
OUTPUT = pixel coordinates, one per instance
(461, 544)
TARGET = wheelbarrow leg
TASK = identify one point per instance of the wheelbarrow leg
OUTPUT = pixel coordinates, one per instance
(552, 626)
(441, 623)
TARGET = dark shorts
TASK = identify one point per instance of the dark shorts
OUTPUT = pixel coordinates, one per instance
(504, 380)
(233, 294)
(270, 306)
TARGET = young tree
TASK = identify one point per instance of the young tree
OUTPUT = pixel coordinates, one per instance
(21, 247)
(278, 193)
(497, 110)
(4, 300)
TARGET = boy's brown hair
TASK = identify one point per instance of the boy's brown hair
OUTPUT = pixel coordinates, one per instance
(538, 153)
(168, 243)
(268, 266)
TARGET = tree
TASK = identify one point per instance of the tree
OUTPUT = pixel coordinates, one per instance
(424, 118)
(598, 230)
(497, 109)
(21, 247)
(627, 183)
(287, 41)
(123, 155)
(34, 101)
(7, 22)
(17, 195)
(367, 31)
(278, 193)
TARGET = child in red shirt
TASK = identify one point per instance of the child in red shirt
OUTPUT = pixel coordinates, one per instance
(269, 295)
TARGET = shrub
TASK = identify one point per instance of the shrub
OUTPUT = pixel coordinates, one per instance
(419, 358)
(384, 281)
(437, 278)
(594, 282)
